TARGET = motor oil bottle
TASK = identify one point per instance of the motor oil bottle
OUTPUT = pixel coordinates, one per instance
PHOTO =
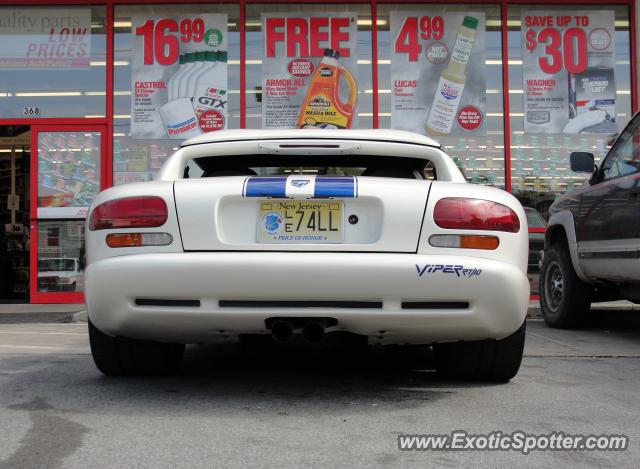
(322, 106)
(171, 85)
(210, 97)
(202, 64)
(183, 80)
(446, 101)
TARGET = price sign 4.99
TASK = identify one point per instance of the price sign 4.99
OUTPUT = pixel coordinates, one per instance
(413, 30)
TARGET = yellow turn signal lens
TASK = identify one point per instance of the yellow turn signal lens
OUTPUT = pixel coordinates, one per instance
(479, 242)
(124, 240)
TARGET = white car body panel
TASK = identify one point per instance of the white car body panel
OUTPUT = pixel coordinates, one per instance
(497, 295)
(216, 217)
(181, 292)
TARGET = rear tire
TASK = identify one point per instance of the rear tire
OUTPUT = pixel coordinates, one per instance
(481, 360)
(119, 356)
(564, 298)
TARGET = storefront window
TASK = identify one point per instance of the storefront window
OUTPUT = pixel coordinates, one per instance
(159, 99)
(423, 48)
(52, 61)
(297, 38)
(61, 256)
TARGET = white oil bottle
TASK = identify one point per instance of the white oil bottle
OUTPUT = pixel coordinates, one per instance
(211, 91)
(188, 68)
(446, 101)
(208, 62)
(173, 81)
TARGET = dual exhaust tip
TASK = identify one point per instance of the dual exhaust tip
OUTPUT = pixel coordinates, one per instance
(313, 331)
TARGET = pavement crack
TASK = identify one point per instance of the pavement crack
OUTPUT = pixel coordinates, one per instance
(553, 341)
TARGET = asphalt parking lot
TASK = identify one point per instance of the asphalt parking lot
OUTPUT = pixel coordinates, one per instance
(242, 408)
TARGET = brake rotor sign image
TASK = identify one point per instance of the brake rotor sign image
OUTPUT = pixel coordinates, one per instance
(308, 71)
(179, 76)
(437, 73)
(568, 72)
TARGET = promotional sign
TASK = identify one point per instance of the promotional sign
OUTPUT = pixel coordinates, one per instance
(568, 72)
(179, 75)
(308, 70)
(437, 73)
(45, 38)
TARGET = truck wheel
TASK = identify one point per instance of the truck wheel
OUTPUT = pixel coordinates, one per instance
(564, 298)
(119, 356)
(481, 360)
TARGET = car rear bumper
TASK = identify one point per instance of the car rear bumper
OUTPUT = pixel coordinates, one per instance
(392, 298)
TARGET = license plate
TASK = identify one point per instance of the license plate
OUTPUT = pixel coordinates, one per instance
(300, 221)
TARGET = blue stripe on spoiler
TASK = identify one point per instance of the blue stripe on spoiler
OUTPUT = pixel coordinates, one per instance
(335, 187)
(275, 186)
(324, 186)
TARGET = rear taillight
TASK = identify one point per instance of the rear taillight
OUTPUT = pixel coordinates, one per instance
(130, 212)
(475, 214)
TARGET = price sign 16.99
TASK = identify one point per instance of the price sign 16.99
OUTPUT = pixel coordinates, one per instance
(162, 38)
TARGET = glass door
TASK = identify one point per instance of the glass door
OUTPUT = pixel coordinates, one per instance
(68, 171)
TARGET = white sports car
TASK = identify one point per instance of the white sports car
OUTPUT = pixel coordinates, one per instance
(301, 233)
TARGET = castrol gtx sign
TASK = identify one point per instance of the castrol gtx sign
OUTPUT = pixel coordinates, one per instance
(179, 75)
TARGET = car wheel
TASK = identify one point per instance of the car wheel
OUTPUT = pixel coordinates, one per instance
(564, 298)
(119, 356)
(481, 360)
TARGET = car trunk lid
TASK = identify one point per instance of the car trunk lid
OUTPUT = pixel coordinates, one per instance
(301, 212)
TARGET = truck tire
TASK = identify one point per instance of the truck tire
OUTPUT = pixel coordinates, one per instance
(481, 360)
(564, 298)
(119, 356)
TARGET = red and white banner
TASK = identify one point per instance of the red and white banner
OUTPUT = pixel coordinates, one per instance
(179, 75)
(437, 73)
(568, 71)
(308, 70)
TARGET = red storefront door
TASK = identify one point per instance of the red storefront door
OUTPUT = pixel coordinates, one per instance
(68, 170)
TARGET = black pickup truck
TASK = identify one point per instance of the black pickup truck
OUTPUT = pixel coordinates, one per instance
(592, 242)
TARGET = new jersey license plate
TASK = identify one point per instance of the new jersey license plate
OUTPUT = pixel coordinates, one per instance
(300, 221)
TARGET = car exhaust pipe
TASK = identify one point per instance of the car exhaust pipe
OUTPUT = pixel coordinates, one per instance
(313, 332)
(282, 331)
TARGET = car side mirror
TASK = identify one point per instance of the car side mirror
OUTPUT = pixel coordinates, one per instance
(582, 162)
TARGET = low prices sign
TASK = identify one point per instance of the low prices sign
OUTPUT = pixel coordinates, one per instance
(568, 72)
(308, 70)
(179, 76)
(437, 73)
(45, 38)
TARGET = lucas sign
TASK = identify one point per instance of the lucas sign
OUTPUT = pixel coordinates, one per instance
(437, 73)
